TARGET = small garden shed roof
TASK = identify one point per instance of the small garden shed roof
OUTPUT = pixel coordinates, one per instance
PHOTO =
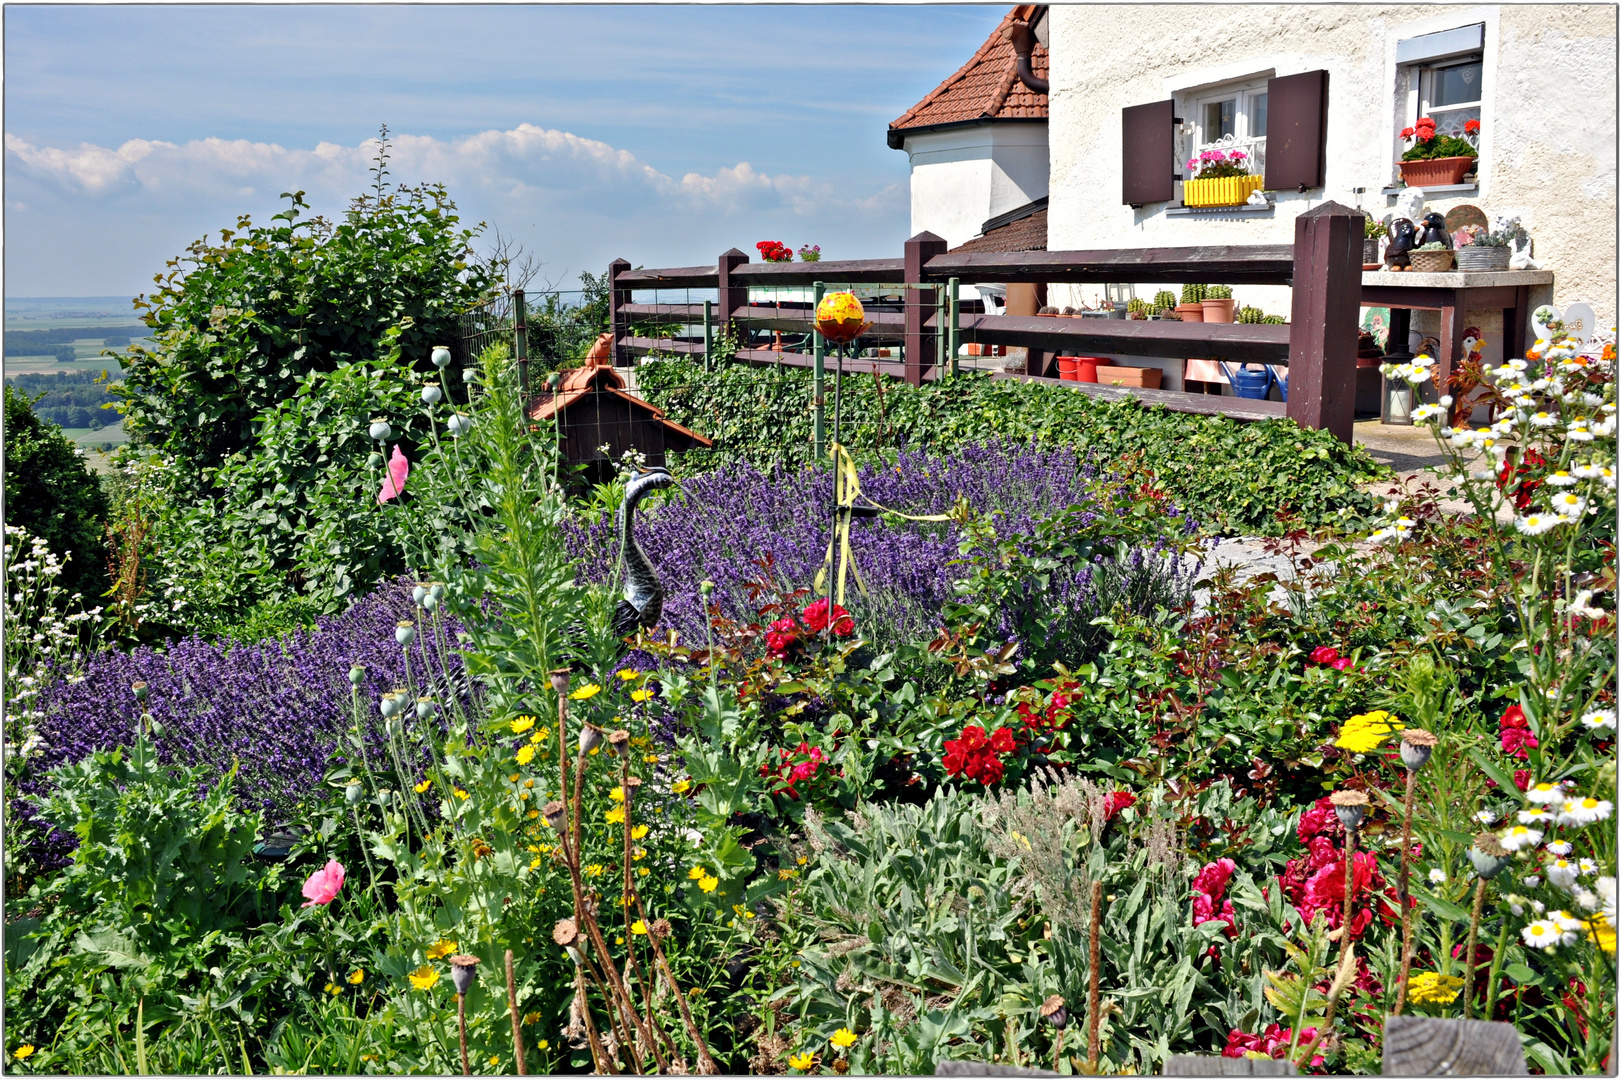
(987, 88)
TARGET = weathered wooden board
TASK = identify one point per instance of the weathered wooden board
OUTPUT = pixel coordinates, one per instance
(981, 1068)
(1216, 1065)
(1247, 264)
(1424, 1046)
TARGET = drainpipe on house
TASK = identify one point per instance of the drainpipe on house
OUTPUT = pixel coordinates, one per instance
(1023, 38)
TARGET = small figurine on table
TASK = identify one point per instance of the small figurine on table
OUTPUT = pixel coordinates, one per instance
(1403, 239)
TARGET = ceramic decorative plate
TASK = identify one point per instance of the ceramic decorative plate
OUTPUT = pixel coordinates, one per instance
(1464, 214)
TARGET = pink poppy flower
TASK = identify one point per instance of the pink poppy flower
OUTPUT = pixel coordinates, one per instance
(322, 886)
(394, 483)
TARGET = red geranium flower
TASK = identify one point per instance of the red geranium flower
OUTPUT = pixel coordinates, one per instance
(1471, 126)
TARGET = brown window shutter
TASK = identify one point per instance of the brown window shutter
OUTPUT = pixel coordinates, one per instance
(1148, 154)
(1296, 131)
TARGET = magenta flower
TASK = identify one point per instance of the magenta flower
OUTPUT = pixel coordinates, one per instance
(322, 886)
(1324, 654)
(394, 483)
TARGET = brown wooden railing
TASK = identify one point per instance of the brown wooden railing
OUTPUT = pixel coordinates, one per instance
(1319, 344)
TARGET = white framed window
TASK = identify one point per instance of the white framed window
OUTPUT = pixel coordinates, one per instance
(1230, 117)
(1449, 94)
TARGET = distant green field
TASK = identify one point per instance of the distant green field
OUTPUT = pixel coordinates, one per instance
(93, 441)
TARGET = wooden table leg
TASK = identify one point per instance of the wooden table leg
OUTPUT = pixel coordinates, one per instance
(1515, 321)
(1451, 346)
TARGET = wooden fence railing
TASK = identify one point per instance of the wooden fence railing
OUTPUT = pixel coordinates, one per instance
(1323, 267)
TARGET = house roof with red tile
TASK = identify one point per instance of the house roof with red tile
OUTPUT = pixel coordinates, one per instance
(984, 89)
(599, 378)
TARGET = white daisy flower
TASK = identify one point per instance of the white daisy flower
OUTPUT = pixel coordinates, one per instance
(1562, 479)
(1606, 890)
(1606, 476)
(1569, 504)
(1577, 432)
(1514, 363)
(1585, 811)
(1536, 524)
(1531, 881)
(1425, 412)
(1587, 898)
(1539, 816)
(1592, 401)
(1545, 794)
(1485, 817)
(1559, 848)
(1587, 866)
(1438, 876)
(1446, 401)
(1587, 471)
(1569, 927)
(1604, 428)
(1599, 719)
(1562, 874)
(1544, 420)
(1519, 836)
(1540, 934)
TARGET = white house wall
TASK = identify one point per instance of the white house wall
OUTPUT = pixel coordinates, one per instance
(1548, 114)
(962, 177)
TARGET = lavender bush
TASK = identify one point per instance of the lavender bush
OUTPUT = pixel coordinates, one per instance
(723, 521)
(280, 707)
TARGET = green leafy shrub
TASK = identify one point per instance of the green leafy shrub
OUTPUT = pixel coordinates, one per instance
(1227, 475)
(51, 492)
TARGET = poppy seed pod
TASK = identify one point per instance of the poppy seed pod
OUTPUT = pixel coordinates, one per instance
(619, 743)
(139, 688)
(389, 706)
(418, 592)
(1416, 747)
(354, 792)
(380, 431)
(436, 589)
(374, 460)
(405, 632)
(1349, 807)
(554, 814)
(661, 928)
(463, 971)
(590, 737)
(1054, 1012)
(424, 708)
(1487, 856)
(356, 674)
(156, 726)
(706, 587)
(566, 934)
(441, 357)
(430, 393)
(559, 679)
(430, 602)
(459, 425)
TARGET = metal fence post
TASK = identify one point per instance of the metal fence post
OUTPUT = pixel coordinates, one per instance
(954, 336)
(818, 353)
(709, 335)
(520, 346)
(1324, 310)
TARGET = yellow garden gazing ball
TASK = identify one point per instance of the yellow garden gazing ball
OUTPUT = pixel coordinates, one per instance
(840, 317)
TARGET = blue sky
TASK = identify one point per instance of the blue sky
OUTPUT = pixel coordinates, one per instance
(663, 134)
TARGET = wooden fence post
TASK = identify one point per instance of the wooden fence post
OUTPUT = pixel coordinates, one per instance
(1323, 319)
(730, 296)
(616, 319)
(919, 250)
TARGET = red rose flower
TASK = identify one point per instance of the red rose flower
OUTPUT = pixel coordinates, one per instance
(1323, 654)
(780, 637)
(815, 617)
(1341, 664)
(1513, 717)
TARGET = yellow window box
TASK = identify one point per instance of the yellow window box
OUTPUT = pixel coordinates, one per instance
(1221, 191)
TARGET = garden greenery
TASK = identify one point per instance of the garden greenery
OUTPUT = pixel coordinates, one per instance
(1228, 476)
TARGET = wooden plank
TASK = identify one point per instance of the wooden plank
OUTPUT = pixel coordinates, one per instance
(730, 295)
(919, 344)
(618, 297)
(1326, 306)
(1234, 408)
(985, 1068)
(834, 272)
(640, 346)
(1216, 1065)
(1433, 298)
(1237, 342)
(1424, 1046)
(1249, 264)
(679, 277)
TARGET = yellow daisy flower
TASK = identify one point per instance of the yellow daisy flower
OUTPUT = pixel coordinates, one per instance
(522, 724)
(803, 1062)
(708, 882)
(444, 948)
(843, 1038)
(1431, 987)
(424, 977)
(357, 976)
(424, 786)
(628, 674)
(681, 787)
(615, 816)
(586, 692)
(695, 873)
(1362, 734)
(651, 759)
(638, 927)
(638, 831)
(541, 736)
(333, 988)
(526, 754)
(23, 1051)
(543, 1044)
(462, 795)
(641, 695)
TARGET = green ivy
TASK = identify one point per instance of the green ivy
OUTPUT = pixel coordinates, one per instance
(1232, 476)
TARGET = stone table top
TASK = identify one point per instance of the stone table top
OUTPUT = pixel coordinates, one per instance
(1458, 279)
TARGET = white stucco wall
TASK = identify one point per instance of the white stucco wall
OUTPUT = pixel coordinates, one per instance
(963, 176)
(1548, 145)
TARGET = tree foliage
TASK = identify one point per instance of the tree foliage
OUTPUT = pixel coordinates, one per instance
(52, 493)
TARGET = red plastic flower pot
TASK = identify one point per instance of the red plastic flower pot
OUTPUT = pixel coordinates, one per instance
(1067, 368)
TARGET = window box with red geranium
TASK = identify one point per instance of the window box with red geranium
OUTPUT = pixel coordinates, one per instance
(774, 251)
(1434, 159)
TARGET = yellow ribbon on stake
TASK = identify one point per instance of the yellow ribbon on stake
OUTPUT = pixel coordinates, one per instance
(846, 488)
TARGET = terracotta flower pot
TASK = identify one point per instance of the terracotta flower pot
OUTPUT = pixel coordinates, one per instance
(1218, 311)
(1436, 171)
(1190, 312)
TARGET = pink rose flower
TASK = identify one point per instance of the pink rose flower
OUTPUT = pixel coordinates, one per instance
(323, 885)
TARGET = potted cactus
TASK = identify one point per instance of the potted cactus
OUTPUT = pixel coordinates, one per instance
(1164, 300)
(1190, 309)
(1217, 304)
(1434, 257)
(1248, 314)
